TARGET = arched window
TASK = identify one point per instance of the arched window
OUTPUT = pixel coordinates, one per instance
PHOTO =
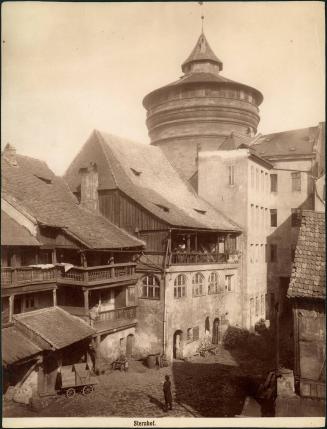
(198, 284)
(213, 283)
(180, 286)
(189, 335)
(150, 287)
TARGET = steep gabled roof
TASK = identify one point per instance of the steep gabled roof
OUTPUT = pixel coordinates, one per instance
(145, 175)
(47, 197)
(287, 143)
(14, 234)
(202, 52)
(308, 275)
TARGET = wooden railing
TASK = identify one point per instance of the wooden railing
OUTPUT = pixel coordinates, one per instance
(125, 313)
(99, 274)
(24, 275)
(178, 258)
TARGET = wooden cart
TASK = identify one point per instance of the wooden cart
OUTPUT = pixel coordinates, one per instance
(77, 377)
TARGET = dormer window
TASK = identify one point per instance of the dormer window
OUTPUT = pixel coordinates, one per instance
(200, 211)
(162, 207)
(137, 173)
(44, 179)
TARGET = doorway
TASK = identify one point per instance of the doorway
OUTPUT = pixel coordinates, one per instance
(216, 331)
(178, 345)
(130, 345)
(207, 326)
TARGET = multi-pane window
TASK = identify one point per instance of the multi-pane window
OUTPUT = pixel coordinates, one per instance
(257, 252)
(252, 176)
(231, 175)
(198, 284)
(273, 217)
(213, 285)
(296, 181)
(257, 179)
(295, 217)
(273, 253)
(273, 183)
(196, 333)
(252, 215)
(229, 283)
(180, 286)
(256, 306)
(150, 287)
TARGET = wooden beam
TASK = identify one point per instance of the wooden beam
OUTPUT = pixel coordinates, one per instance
(11, 307)
(86, 300)
(54, 294)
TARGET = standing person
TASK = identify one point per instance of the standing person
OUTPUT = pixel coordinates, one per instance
(167, 393)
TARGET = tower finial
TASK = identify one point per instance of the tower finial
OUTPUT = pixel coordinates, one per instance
(202, 15)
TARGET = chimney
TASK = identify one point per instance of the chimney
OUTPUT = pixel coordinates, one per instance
(89, 187)
(9, 154)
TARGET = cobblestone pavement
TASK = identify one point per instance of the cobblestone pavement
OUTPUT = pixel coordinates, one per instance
(212, 386)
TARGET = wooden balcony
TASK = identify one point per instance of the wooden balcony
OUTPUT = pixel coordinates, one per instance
(180, 258)
(115, 319)
(21, 276)
(99, 275)
(107, 320)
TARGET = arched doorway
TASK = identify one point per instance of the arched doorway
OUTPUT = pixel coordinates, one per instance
(216, 331)
(178, 345)
(207, 326)
(130, 345)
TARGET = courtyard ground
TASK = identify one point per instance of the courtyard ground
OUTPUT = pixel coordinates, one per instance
(215, 386)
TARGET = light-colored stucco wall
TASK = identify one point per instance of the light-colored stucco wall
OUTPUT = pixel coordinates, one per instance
(191, 311)
(113, 345)
(235, 201)
(284, 235)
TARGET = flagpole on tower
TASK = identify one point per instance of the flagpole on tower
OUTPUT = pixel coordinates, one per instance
(202, 15)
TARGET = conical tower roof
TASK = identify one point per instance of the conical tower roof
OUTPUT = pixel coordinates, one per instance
(202, 52)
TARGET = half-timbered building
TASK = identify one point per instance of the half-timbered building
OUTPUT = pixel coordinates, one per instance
(189, 280)
(58, 254)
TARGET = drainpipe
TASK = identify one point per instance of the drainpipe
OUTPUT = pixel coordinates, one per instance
(168, 251)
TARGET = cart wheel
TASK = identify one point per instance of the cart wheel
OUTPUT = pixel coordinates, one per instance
(70, 393)
(87, 390)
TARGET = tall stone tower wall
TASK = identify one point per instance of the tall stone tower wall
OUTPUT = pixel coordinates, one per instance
(200, 110)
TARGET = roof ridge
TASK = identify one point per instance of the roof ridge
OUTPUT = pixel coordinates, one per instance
(101, 141)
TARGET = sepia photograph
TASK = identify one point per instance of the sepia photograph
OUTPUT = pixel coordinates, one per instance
(163, 214)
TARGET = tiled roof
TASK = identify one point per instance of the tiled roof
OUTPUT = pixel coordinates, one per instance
(202, 52)
(287, 143)
(202, 77)
(14, 234)
(55, 326)
(16, 346)
(47, 197)
(308, 275)
(144, 174)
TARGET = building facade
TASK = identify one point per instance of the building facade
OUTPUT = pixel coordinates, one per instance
(192, 255)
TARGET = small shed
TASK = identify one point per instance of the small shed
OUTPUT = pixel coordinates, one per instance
(307, 294)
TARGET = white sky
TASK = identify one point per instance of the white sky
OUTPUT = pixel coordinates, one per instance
(68, 68)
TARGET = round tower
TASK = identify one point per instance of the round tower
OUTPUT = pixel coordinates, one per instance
(198, 111)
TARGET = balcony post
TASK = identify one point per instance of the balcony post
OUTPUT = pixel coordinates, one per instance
(86, 300)
(54, 256)
(11, 307)
(54, 294)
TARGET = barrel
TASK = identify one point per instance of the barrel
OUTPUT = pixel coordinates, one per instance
(151, 361)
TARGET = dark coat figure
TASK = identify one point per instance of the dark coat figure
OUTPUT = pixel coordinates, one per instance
(167, 393)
